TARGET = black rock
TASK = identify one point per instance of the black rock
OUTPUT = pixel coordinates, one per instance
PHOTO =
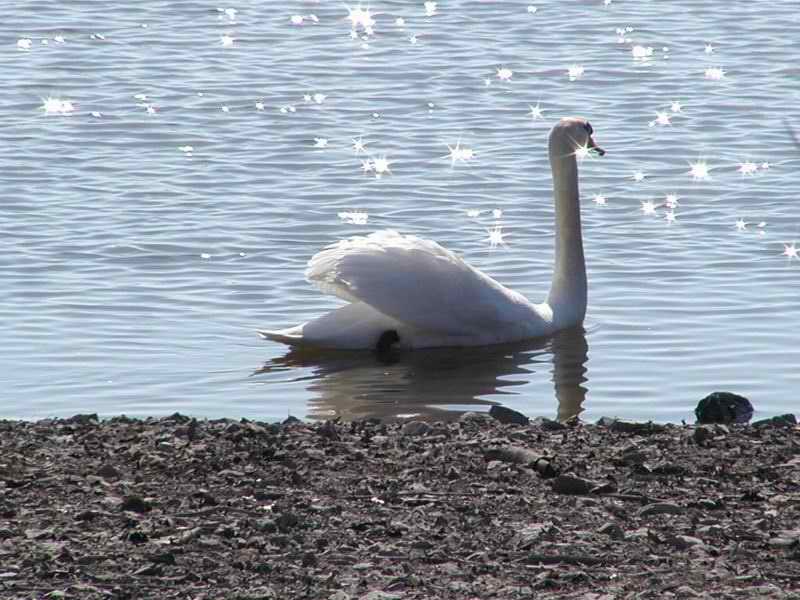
(724, 407)
(506, 415)
(787, 420)
(135, 504)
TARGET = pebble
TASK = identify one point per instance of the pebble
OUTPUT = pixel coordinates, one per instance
(378, 595)
(613, 531)
(413, 428)
(548, 424)
(660, 508)
(108, 471)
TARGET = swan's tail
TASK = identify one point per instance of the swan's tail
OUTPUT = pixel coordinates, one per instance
(291, 337)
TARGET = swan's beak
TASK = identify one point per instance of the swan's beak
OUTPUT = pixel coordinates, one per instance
(592, 146)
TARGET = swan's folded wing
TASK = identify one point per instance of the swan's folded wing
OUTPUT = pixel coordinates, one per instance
(417, 282)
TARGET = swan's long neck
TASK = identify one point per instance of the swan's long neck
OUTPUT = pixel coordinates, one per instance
(567, 297)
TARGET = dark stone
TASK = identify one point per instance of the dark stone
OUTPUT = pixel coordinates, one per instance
(613, 531)
(506, 415)
(414, 428)
(135, 504)
(787, 420)
(287, 521)
(724, 407)
(137, 537)
(108, 471)
(165, 558)
(83, 419)
(546, 424)
(571, 485)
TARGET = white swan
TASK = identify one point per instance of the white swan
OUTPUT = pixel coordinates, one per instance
(414, 293)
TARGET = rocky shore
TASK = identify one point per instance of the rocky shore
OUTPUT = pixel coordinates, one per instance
(474, 509)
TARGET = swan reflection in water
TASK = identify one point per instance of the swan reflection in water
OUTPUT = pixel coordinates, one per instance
(436, 384)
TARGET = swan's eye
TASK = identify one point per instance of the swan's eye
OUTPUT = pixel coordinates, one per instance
(588, 128)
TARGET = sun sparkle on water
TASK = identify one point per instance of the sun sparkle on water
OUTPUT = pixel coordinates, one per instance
(699, 170)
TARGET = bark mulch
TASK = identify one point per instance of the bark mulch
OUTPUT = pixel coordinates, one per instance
(474, 509)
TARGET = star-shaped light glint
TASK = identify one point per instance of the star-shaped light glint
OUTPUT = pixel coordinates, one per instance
(359, 145)
(504, 74)
(709, 49)
(675, 106)
(496, 237)
(599, 199)
(638, 176)
(430, 9)
(663, 118)
(381, 166)
(648, 207)
(670, 216)
(699, 170)
(536, 112)
(747, 168)
(671, 201)
(458, 153)
(741, 225)
(582, 152)
(360, 17)
(367, 166)
(790, 250)
(715, 73)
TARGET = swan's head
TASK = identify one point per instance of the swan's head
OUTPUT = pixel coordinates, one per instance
(573, 135)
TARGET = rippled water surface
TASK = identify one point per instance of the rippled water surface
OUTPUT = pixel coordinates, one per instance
(161, 205)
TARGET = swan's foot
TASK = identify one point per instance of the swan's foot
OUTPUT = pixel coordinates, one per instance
(383, 348)
(386, 340)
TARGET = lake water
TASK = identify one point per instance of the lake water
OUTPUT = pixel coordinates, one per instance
(162, 204)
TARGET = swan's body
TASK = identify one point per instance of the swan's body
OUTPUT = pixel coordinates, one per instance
(430, 297)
